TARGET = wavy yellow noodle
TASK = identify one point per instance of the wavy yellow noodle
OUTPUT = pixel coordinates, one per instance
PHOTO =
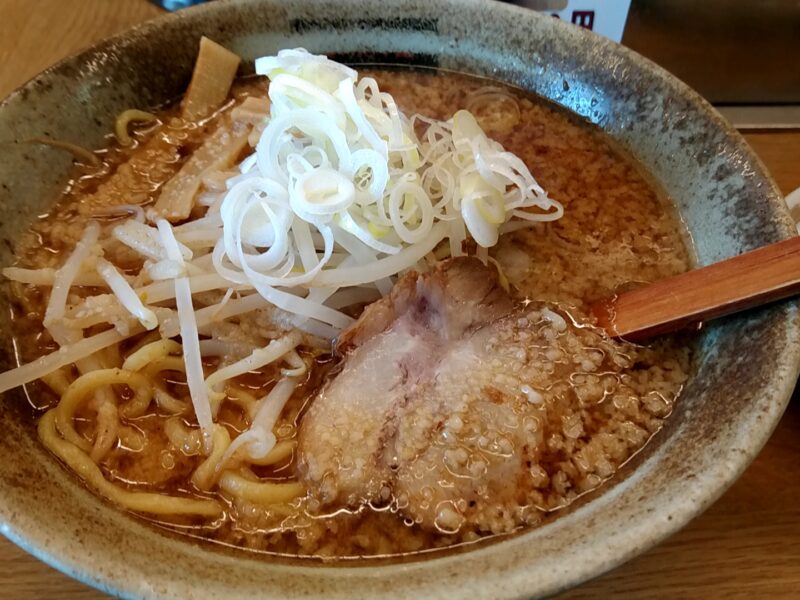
(143, 340)
(166, 401)
(157, 504)
(166, 363)
(244, 399)
(131, 438)
(261, 492)
(125, 118)
(85, 385)
(149, 353)
(187, 440)
(58, 381)
(169, 403)
(106, 432)
(205, 475)
(280, 453)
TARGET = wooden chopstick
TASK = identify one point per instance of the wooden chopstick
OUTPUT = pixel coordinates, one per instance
(745, 281)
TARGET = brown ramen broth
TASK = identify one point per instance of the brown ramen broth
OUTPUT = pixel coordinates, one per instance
(618, 229)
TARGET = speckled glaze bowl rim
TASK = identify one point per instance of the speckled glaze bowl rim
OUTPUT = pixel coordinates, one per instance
(548, 576)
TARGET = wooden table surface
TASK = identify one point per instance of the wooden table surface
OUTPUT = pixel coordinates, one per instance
(745, 546)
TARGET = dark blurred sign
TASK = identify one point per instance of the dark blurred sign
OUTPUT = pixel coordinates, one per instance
(176, 4)
(606, 17)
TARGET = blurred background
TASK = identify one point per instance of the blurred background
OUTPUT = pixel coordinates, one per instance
(743, 56)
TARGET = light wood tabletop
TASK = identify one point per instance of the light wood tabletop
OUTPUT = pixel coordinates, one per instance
(747, 545)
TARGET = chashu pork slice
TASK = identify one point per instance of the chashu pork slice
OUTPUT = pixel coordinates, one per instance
(439, 405)
(392, 353)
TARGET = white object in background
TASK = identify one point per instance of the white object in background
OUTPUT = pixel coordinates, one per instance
(793, 202)
(606, 17)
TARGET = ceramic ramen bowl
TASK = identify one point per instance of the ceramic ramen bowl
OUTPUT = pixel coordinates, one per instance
(746, 366)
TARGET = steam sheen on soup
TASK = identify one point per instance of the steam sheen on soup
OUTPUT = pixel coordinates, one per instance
(348, 391)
